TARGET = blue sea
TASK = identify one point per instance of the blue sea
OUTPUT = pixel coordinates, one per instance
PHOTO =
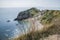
(10, 28)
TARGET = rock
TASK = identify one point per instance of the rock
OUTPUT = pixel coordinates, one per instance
(17, 24)
(27, 14)
(8, 20)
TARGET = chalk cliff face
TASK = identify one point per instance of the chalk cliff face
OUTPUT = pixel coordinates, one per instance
(31, 18)
(45, 21)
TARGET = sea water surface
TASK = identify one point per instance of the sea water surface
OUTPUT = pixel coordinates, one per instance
(8, 27)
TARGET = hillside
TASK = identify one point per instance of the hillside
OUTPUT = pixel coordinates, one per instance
(50, 19)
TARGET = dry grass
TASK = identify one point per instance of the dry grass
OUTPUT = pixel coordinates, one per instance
(37, 35)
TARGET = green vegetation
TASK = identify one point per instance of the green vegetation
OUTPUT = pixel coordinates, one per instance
(49, 15)
(33, 11)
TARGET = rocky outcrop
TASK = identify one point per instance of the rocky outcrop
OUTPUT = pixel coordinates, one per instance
(27, 14)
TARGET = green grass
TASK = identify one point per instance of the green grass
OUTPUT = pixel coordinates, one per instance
(49, 16)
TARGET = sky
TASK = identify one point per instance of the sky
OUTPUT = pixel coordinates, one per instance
(29, 3)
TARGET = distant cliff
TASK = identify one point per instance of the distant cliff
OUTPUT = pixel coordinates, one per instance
(27, 14)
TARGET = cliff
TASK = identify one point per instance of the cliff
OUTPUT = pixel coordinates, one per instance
(50, 19)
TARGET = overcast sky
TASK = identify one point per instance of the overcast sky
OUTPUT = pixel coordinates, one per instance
(29, 3)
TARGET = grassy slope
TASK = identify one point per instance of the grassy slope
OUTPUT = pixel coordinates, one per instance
(48, 20)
